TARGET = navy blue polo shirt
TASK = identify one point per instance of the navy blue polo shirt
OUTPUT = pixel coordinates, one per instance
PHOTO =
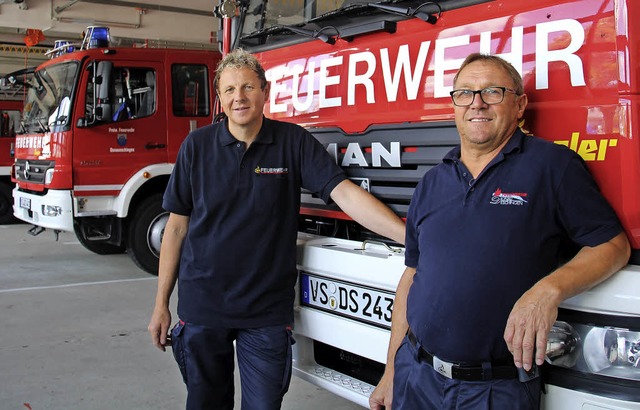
(238, 261)
(478, 245)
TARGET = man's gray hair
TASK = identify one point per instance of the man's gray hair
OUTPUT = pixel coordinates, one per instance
(500, 62)
(240, 59)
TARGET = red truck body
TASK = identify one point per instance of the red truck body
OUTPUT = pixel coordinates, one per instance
(10, 111)
(102, 130)
(371, 81)
(579, 93)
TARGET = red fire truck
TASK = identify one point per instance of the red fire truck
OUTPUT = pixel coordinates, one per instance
(371, 80)
(101, 129)
(9, 119)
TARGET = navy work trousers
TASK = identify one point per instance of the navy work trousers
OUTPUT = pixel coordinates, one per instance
(205, 357)
(416, 385)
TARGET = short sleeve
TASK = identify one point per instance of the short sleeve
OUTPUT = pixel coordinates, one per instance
(319, 171)
(583, 211)
(412, 249)
(178, 198)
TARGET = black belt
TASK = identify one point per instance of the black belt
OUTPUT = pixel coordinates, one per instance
(457, 371)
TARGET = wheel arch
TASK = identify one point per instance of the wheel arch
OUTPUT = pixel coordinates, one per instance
(147, 181)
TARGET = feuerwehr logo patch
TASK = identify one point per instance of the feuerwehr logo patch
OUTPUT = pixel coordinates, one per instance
(271, 170)
(513, 198)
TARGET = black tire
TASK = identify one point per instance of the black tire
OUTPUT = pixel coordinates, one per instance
(6, 204)
(146, 227)
(98, 247)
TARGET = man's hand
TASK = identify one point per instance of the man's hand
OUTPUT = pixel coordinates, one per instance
(536, 311)
(383, 394)
(529, 324)
(159, 327)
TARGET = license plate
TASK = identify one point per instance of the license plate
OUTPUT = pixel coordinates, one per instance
(25, 203)
(361, 303)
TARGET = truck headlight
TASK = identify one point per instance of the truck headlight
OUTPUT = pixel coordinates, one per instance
(602, 350)
(48, 176)
(613, 352)
(51, 210)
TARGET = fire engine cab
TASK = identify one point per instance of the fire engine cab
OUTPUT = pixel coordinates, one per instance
(100, 132)
(371, 81)
(10, 109)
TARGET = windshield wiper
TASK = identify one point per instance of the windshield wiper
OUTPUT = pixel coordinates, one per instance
(23, 129)
(43, 127)
(427, 16)
(426, 11)
(318, 34)
(315, 34)
(346, 10)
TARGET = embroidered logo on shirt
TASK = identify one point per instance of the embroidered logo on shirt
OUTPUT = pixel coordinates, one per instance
(272, 171)
(504, 198)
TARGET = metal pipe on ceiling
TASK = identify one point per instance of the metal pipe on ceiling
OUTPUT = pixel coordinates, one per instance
(138, 5)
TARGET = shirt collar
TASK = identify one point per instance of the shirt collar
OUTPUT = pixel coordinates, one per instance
(265, 135)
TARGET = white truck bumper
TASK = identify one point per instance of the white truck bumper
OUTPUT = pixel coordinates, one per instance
(330, 268)
(53, 210)
(559, 398)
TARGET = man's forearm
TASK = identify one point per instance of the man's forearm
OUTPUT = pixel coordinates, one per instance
(170, 250)
(369, 212)
(399, 324)
(590, 266)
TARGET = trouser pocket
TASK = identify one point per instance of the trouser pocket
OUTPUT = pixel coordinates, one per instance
(177, 344)
(288, 367)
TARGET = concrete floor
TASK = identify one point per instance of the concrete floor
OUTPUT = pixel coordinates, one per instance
(73, 333)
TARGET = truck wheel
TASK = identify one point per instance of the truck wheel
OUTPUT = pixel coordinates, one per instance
(146, 227)
(6, 204)
(98, 247)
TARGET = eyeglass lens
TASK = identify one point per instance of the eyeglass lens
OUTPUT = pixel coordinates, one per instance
(489, 96)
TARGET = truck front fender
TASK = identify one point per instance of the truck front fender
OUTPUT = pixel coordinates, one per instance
(122, 202)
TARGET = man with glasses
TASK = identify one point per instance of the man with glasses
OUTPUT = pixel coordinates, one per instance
(498, 235)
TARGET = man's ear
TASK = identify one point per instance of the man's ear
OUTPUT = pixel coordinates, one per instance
(522, 104)
(267, 89)
(220, 101)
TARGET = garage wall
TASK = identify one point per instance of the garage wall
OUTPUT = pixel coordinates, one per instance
(156, 23)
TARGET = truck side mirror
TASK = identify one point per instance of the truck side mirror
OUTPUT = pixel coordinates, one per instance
(102, 80)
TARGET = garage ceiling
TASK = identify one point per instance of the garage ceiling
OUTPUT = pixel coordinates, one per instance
(155, 23)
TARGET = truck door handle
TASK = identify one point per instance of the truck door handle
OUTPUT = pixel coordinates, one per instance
(155, 146)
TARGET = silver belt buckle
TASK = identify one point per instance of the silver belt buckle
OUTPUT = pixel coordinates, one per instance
(442, 367)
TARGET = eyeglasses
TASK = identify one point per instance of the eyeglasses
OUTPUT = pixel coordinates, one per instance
(489, 95)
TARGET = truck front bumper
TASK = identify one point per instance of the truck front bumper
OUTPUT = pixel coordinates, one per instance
(54, 210)
(557, 398)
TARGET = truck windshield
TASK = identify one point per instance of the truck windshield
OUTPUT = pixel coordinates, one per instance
(48, 100)
(263, 15)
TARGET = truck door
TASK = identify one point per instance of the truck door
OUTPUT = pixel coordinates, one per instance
(122, 126)
(9, 121)
(190, 101)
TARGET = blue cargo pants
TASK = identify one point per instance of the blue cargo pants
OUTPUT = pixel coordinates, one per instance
(205, 357)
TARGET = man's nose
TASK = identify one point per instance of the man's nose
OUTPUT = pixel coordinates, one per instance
(239, 95)
(478, 102)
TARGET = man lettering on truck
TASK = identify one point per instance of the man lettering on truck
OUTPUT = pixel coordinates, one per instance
(230, 242)
(498, 235)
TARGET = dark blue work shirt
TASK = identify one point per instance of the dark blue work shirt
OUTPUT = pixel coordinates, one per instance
(478, 245)
(238, 261)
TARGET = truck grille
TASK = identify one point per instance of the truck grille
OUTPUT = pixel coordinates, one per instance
(32, 170)
(422, 146)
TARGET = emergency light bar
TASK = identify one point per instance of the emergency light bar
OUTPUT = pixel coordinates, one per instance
(60, 47)
(96, 37)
